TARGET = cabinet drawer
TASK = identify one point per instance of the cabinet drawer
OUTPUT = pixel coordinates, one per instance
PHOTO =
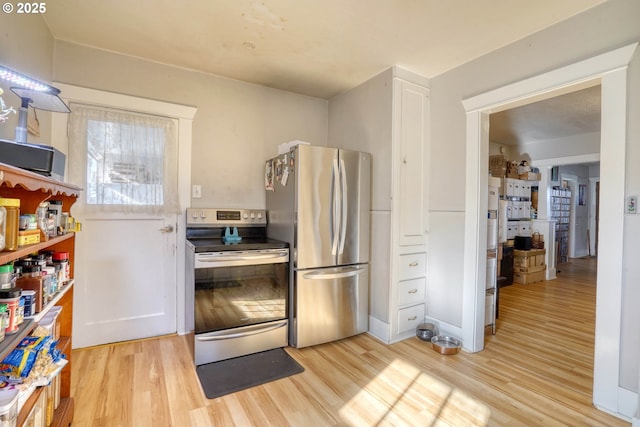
(413, 266)
(411, 291)
(409, 318)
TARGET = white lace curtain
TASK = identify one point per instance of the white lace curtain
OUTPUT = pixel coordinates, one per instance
(124, 161)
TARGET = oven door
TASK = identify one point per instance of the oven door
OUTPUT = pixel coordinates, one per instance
(240, 303)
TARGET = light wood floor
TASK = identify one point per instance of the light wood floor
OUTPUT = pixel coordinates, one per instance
(537, 371)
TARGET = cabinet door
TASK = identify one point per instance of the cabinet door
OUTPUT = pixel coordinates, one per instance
(413, 128)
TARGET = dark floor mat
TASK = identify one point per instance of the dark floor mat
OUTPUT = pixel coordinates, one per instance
(228, 376)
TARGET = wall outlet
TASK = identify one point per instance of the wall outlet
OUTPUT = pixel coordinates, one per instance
(196, 191)
(632, 204)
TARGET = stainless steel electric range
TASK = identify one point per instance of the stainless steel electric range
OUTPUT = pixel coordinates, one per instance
(237, 284)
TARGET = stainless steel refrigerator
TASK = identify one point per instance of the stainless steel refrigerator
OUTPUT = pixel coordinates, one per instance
(318, 200)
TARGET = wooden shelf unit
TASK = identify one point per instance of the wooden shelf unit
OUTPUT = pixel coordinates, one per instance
(33, 189)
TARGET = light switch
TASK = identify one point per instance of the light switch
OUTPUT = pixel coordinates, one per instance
(196, 191)
(632, 204)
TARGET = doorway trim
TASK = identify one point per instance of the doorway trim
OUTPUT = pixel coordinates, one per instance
(610, 71)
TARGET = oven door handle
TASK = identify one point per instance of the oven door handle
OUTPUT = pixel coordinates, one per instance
(225, 258)
(241, 334)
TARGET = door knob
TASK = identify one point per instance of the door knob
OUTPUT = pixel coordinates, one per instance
(167, 229)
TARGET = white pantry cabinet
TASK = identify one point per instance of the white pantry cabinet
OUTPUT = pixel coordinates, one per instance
(388, 116)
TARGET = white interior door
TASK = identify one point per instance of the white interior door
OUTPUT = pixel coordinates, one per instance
(129, 268)
(126, 279)
(126, 162)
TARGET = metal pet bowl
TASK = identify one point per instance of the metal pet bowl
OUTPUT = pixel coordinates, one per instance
(446, 345)
(426, 331)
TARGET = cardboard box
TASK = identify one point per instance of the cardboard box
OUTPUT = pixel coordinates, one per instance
(529, 176)
(531, 258)
(528, 270)
(527, 278)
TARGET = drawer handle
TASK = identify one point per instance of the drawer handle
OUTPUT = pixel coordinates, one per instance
(413, 264)
(413, 318)
(413, 291)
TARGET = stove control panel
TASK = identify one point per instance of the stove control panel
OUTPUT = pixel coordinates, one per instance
(225, 217)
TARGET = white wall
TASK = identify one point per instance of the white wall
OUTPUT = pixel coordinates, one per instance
(630, 351)
(237, 127)
(26, 46)
(581, 37)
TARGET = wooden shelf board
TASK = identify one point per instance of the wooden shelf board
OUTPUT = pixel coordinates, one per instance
(8, 256)
(13, 177)
(64, 413)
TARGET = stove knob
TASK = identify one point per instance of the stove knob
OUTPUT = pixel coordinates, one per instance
(194, 214)
(253, 215)
(203, 214)
(259, 215)
(245, 215)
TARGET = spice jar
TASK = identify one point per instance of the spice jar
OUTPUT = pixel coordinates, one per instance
(62, 259)
(4, 320)
(12, 222)
(11, 297)
(6, 276)
(42, 214)
(55, 208)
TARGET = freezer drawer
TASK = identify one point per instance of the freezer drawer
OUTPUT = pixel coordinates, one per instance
(329, 304)
(229, 343)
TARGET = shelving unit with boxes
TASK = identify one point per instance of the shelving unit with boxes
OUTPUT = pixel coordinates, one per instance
(514, 219)
(32, 189)
(515, 192)
(561, 213)
(491, 291)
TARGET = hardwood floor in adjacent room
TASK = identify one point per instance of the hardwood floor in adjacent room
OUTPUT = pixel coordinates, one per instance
(536, 371)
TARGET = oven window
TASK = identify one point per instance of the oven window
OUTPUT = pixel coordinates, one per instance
(228, 297)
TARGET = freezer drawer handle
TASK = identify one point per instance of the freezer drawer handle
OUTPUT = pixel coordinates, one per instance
(242, 334)
(413, 264)
(324, 276)
(413, 291)
(412, 318)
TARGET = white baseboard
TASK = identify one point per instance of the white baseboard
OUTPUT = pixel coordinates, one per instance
(551, 273)
(627, 409)
(628, 405)
(380, 330)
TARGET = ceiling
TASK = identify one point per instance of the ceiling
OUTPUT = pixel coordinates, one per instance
(321, 48)
(574, 113)
(318, 48)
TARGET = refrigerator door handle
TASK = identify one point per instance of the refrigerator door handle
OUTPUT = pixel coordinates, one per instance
(335, 212)
(320, 275)
(343, 207)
